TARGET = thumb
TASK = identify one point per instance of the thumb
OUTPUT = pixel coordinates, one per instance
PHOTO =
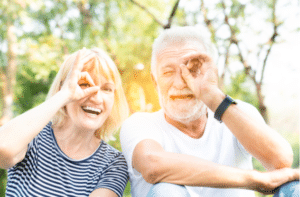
(91, 90)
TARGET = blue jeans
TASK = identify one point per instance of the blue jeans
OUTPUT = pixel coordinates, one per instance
(290, 189)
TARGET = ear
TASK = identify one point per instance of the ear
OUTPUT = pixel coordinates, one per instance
(154, 81)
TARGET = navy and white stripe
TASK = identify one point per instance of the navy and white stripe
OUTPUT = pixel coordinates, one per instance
(47, 171)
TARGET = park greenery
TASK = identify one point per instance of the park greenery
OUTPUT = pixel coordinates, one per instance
(36, 36)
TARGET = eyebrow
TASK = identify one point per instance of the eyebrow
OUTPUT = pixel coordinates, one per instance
(168, 66)
(109, 83)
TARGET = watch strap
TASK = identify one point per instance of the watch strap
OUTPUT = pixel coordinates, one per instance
(223, 106)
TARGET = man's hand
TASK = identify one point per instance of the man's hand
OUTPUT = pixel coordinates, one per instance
(201, 75)
(267, 182)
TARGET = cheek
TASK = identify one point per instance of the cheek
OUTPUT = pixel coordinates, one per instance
(109, 100)
(164, 85)
(69, 108)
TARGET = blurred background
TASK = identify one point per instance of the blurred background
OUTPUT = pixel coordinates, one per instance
(256, 44)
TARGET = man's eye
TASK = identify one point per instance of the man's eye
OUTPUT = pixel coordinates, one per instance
(194, 66)
(168, 73)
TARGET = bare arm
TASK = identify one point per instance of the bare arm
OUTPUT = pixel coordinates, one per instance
(103, 192)
(17, 133)
(264, 143)
(157, 165)
(20, 131)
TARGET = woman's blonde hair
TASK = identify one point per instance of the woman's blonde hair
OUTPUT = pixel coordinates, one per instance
(108, 69)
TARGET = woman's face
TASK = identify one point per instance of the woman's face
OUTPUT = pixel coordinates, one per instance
(91, 112)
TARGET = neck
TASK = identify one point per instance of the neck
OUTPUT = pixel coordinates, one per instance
(76, 143)
(194, 129)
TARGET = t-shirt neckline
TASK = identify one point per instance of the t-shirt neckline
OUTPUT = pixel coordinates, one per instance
(185, 136)
(66, 156)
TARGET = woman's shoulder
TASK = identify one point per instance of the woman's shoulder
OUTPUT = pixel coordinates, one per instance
(108, 151)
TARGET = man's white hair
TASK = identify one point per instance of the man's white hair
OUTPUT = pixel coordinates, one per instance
(177, 36)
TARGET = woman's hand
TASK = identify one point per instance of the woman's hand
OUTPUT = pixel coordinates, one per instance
(19, 132)
(71, 86)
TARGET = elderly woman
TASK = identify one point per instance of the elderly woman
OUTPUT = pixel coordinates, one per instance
(57, 148)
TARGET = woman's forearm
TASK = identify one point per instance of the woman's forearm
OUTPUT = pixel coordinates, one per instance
(18, 132)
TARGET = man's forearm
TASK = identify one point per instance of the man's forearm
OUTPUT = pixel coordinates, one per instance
(157, 165)
(264, 143)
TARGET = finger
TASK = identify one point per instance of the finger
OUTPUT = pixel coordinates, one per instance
(192, 55)
(207, 66)
(203, 57)
(91, 90)
(86, 76)
(77, 58)
(186, 74)
(79, 64)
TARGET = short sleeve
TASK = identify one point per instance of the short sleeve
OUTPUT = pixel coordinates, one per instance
(115, 176)
(138, 127)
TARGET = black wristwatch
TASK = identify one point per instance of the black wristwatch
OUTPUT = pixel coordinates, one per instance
(223, 106)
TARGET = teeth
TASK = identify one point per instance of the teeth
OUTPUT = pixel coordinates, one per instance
(181, 96)
(91, 110)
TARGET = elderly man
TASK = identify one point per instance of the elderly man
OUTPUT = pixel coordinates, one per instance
(201, 143)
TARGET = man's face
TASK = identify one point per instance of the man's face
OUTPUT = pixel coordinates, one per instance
(176, 98)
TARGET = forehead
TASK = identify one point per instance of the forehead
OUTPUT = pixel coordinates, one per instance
(98, 70)
(175, 54)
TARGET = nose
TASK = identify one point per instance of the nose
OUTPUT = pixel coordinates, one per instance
(179, 83)
(97, 97)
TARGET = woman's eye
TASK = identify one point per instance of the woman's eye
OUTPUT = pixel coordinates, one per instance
(107, 89)
(84, 85)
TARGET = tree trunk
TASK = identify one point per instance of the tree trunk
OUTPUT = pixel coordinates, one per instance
(261, 103)
(86, 19)
(9, 80)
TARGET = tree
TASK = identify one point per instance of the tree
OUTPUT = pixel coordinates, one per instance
(8, 72)
(234, 18)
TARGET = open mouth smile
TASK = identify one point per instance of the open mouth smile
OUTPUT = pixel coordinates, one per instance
(91, 110)
(187, 96)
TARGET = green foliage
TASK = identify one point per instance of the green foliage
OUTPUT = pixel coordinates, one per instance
(3, 175)
(127, 190)
(49, 30)
(31, 92)
(240, 88)
(237, 9)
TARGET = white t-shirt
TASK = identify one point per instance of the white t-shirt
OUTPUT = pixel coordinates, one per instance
(217, 144)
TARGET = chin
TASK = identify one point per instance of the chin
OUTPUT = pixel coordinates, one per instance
(91, 125)
(186, 112)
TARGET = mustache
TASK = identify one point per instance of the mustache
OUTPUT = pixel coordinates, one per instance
(184, 91)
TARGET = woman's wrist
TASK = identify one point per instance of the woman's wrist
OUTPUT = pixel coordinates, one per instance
(62, 97)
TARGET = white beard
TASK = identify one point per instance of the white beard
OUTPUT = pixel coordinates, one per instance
(184, 112)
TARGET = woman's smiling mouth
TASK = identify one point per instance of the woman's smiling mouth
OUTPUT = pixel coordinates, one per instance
(91, 110)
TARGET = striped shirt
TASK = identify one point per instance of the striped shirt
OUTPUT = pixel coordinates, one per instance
(47, 171)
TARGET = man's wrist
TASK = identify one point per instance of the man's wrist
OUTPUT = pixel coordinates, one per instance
(214, 99)
(223, 107)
